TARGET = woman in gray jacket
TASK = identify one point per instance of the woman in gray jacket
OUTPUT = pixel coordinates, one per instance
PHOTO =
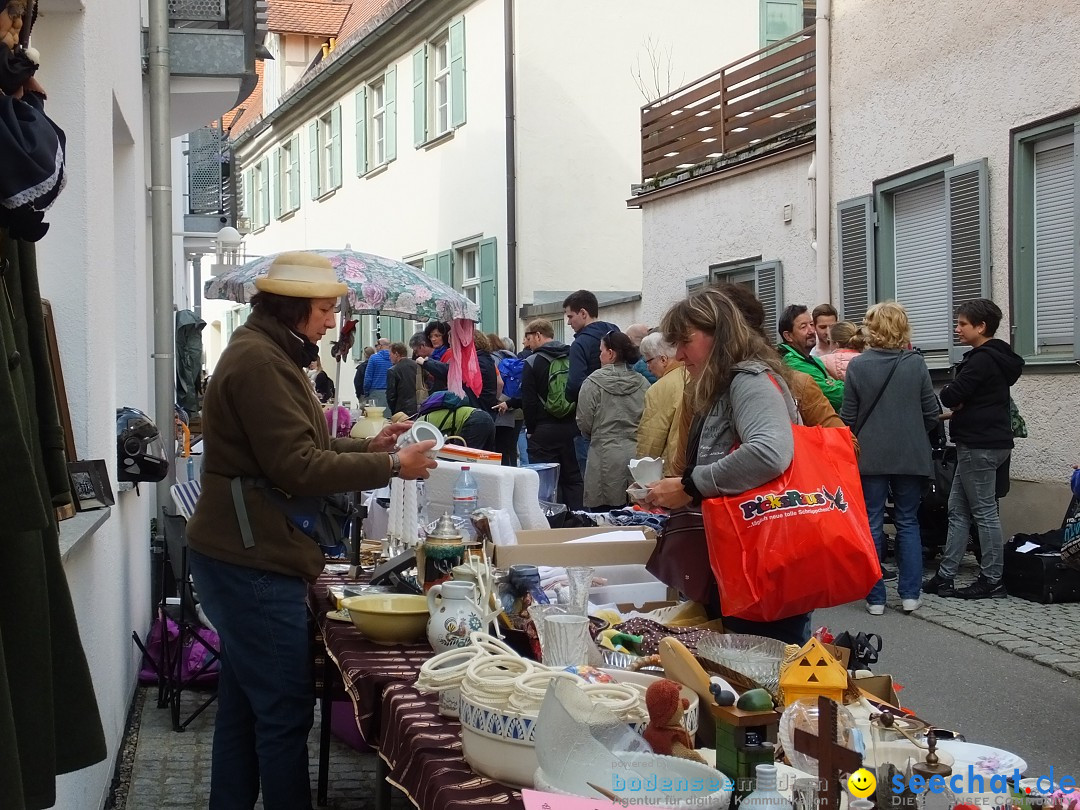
(890, 406)
(609, 409)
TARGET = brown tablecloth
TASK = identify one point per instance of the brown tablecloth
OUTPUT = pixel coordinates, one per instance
(421, 748)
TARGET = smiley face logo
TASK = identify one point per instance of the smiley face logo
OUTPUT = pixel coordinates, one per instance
(861, 783)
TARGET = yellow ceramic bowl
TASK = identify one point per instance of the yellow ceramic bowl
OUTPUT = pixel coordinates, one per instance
(388, 618)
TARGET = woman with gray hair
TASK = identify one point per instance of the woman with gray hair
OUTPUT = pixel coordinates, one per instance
(658, 433)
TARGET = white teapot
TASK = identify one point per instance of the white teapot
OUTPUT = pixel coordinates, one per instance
(454, 615)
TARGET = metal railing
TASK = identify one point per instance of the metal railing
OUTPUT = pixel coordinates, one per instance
(197, 10)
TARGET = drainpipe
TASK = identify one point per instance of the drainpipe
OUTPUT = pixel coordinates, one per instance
(822, 149)
(196, 286)
(158, 73)
(511, 174)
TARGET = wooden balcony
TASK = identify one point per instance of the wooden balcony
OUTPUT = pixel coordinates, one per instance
(752, 102)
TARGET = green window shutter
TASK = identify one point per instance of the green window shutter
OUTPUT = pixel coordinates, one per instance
(247, 195)
(855, 247)
(431, 265)
(769, 289)
(313, 145)
(294, 172)
(390, 115)
(277, 177)
(335, 147)
(779, 19)
(361, 131)
(264, 192)
(489, 286)
(1055, 226)
(457, 72)
(696, 283)
(419, 95)
(967, 187)
(444, 268)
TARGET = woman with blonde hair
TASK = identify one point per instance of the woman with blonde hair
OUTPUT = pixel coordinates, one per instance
(891, 407)
(658, 435)
(740, 435)
(848, 342)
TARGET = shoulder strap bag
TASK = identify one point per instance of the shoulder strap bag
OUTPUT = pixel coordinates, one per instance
(870, 410)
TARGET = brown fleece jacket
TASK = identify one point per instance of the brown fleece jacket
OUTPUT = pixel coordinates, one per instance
(261, 420)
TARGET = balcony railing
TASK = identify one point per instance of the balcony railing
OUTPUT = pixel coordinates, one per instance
(753, 100)
(197, 10)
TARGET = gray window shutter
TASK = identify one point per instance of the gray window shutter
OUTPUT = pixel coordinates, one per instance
(489, 291)
(390, 116)
(696, 283)
(921, 263)
(431, 265)
(968, 241)
(1055, 247)
(769, 289)
(294, 172)
(335, 147)
(855, 248)
(419, 95)
(361, 131)
(313, 145)
(277, 177)
(457, 72)
(444, 268)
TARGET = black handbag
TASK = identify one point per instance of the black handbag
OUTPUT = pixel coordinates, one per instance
(681, 557)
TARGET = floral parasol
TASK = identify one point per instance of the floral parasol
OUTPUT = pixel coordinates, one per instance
(376, 286)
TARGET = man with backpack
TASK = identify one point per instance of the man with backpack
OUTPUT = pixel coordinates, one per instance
(582, 312)
(549, 413)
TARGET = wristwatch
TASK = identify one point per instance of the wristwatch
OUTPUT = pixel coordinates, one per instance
(395, 465)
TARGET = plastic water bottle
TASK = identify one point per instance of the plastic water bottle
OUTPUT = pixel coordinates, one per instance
(466, 501)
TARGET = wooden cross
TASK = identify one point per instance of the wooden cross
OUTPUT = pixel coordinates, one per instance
(833, 759)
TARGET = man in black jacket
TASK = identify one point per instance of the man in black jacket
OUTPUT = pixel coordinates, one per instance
(551, 438)
(981, 428)
(582, 311)
(402, 381)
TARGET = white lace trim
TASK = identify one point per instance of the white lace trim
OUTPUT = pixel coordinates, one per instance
(46, 185)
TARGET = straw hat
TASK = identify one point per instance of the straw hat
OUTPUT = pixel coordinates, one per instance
(301, 275)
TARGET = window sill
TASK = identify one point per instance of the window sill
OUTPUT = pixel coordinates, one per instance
(382, 167)
(438, 140)
(327, 195)
(259, 229)
(1042, 364)
(76, 529)
(287, 215)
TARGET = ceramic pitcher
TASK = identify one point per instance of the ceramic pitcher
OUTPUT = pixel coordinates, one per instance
(454, 615)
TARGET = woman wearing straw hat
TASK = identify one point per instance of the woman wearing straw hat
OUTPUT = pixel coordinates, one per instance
(261, 420)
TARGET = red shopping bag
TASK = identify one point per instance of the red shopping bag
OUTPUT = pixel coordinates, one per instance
(801, 541)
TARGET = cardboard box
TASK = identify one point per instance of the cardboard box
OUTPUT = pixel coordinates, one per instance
(880, 687)
(552, 547)
(468, 455)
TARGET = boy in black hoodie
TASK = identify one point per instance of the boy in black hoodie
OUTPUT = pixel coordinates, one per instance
(981, 429)
(582, 310)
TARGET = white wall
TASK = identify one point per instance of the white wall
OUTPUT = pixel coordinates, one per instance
(93, 265)
(579, 127)
(426, 198)
(920, 80)
(725, 221)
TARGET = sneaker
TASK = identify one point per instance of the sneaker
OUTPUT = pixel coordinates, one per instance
(983, 588)
(939, 585)
(888, 574)
(875, 610)
(911, 605)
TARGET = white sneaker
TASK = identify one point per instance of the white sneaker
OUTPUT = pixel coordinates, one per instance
(875, 610)
(911, 605)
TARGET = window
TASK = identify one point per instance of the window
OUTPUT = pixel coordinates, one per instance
(468, 280)
(285, 177)
(376, 123)
(780, 19)
(763, 279)
(1044, 228)
(259, 200)
(921, 239)
(471, 269)
(439, 84)
(324, 144)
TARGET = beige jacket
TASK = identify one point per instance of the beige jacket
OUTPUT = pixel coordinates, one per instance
(658, 433)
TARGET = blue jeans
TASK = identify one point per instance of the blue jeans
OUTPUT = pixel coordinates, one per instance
(523, 448)
(581, 450)
(974, 496)
(265, 690)
(906, 495)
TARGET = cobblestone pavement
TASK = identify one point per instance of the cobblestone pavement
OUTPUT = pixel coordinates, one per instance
(1047, 634)
(171, 770)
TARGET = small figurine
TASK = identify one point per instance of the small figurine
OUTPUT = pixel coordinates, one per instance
(665, 732)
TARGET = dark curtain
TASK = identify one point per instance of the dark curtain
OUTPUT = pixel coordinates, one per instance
(189, 348)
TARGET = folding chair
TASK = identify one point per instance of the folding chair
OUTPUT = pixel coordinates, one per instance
(184, 496)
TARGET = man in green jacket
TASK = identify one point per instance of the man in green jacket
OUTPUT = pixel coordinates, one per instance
(796, 328)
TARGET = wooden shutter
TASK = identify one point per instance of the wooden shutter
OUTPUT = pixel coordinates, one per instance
(921, 263)
(855, 248)
(457, 72)
(1055, 246)
(769, 289)
(390, 114)
(361, 132)
(779, 19)
(444, 267)
(419, 95)
(696, 283)
(277, 178)
(489, 289)
(430, 264)
(968, 241)
(313, 145)
(294, 172)
(335, 147)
